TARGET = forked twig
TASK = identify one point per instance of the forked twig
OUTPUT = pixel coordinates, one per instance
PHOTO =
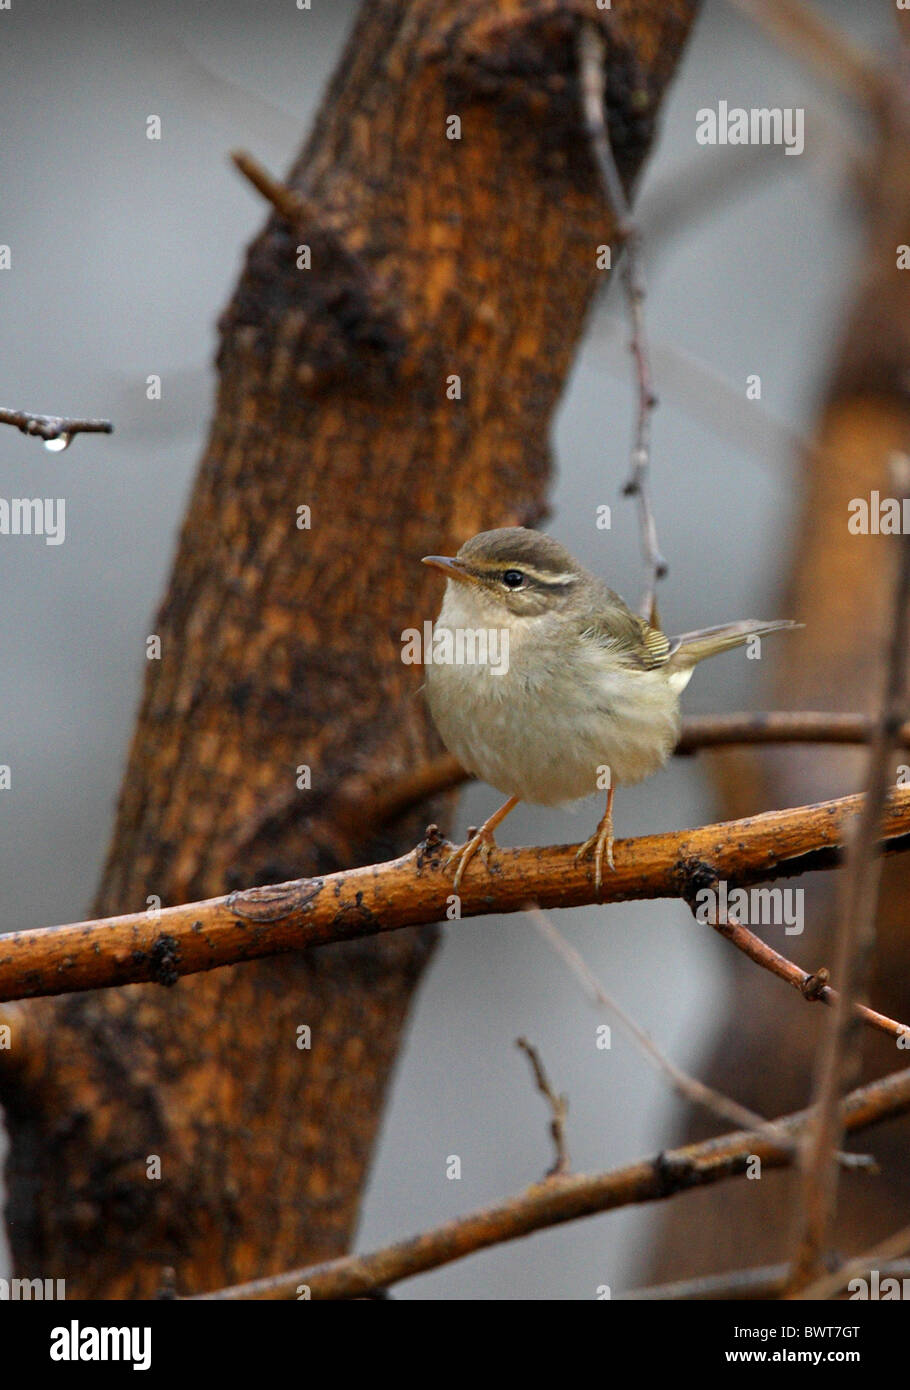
(559, 1107)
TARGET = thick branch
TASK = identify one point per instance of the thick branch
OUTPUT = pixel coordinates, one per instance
(161, 946)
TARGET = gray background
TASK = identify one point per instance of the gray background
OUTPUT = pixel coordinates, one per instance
(124, 252)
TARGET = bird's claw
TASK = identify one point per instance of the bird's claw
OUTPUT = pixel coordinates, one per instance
(602, 844)
(483, 841)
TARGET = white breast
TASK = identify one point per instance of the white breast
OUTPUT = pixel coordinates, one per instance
(544, 732)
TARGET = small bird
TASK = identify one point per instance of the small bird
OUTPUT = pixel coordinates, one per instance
(544, 683)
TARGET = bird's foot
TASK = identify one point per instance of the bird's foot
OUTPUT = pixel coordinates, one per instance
(481, 840)
(602, 844)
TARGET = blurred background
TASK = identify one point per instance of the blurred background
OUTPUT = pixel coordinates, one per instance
(124, 252)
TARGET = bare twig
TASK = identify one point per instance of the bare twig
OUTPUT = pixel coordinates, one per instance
(565, 1198)
(559, 1107)
(163, 945)
(591, 55)
(288, 202)
(704, 393)
(855, 935)
(784, 726)
(51, 428)
(689, 1087)
(812, 986)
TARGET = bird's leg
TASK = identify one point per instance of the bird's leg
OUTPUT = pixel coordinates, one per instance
(483, 840)
(601, 842)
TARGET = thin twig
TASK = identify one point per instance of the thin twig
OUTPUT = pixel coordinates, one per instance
(813, 986)
(591, 54)
(561, 1199)
(52, 427)
(689, 1087)
(704, 393)
(559, 1107)
(855, 933)
(783, 726)
(288, 202)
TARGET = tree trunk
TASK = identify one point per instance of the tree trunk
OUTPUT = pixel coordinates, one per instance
(431, 258)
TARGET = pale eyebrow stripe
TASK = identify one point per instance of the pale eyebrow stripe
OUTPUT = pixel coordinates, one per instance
(547, 580)
(552, 579)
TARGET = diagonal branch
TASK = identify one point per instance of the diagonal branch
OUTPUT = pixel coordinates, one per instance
(813, 986)
(566, 1198)
(161, 945)
(883, 1254)
(689, 1087)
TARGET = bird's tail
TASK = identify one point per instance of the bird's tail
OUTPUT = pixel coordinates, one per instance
(689, 649)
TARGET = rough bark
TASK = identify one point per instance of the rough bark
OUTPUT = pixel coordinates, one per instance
(839, 586)
(280, 647)
(415, 889)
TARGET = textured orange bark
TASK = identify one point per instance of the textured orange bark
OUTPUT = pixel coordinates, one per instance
(416, 888)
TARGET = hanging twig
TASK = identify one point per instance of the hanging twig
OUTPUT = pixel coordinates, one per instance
(591, 56)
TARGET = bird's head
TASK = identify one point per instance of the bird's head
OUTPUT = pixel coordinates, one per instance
(512, 573)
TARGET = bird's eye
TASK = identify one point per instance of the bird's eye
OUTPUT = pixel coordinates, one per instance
(513, 579)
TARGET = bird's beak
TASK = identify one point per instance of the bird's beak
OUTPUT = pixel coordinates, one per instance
(451, 568)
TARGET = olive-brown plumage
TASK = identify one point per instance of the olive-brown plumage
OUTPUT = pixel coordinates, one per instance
(577, 693)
